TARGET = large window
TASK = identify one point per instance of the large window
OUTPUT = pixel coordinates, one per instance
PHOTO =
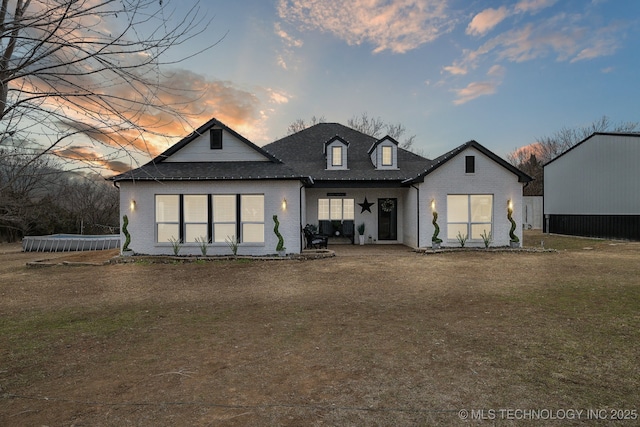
(469, 215)
(167, 217)
(336, 209)
(216, 218)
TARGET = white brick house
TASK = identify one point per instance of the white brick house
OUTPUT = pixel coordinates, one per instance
(216, 185)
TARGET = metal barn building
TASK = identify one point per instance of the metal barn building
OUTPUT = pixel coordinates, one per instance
(593, 189)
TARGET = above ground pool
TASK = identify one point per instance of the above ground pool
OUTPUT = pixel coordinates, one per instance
(70, 242)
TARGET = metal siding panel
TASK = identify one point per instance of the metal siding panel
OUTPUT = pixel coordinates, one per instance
(598, 177)
(625, 227)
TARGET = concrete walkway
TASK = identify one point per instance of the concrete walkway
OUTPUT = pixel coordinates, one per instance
(371, 250)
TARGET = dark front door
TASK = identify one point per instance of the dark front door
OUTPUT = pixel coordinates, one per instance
(387, 219)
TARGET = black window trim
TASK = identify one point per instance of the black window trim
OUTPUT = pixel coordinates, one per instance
(470, 164)
(215, 139)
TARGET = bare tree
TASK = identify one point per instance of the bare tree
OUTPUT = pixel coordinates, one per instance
(92, 204)
(24, 183)
(40, 197)
(378, 128)
(92, 69)
(300, 124)
(368, 125)
(549, 147)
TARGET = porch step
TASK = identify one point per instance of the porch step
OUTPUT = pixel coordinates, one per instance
(339, 241)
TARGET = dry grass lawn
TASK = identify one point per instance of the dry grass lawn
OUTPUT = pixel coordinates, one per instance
(375, 336)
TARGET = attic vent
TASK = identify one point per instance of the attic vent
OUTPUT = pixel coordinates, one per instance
(216, 139)
(470, 164)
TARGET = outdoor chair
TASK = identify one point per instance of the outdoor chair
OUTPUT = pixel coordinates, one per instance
(314, 241)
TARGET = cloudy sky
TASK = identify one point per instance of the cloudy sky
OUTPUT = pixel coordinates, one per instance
(500, 72)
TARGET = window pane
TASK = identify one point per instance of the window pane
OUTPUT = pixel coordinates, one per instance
(253, 233)
(224, 209)
(168, 231)
(193, 231)
(454, 229)
(323, 209)
(336, 156)
(386, 156)
(252, 208)
(223, 231)
(336, 209)
(481, 208)
(457, 208)
(478, 229)
(195, 208)
(167, 208)
(347, 209)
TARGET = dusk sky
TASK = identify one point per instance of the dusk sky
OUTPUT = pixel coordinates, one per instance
(500, 72)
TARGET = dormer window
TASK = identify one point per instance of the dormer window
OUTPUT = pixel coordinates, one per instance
(335, 151)
(336, 156)
(387, 156)
(384, 154)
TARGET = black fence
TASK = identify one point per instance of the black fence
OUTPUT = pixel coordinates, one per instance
(626, 227)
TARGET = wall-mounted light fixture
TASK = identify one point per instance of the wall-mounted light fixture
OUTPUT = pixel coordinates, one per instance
(433, 205)
(132, 205)
(510, 204)
(284, 204)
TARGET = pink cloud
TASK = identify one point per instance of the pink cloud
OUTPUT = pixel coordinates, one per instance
(290, 40)
(456, 69)
(525, 6)
(91, 158)
(486, 20)
(473, 91)
(184, 101)
(398, 26)
(552, 37)
(496, 71)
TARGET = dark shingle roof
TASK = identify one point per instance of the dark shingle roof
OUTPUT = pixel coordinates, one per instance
(302, 156)
(303, 152)
(209, 171)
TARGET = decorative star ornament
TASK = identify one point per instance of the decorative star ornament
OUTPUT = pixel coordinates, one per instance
(366, 206)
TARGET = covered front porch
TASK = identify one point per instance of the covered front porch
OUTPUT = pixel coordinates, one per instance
(384, 212)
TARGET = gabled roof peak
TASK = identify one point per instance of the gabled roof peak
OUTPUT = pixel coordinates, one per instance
(381, 140)
(439, 161)
(201, 131)
(632, 134)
